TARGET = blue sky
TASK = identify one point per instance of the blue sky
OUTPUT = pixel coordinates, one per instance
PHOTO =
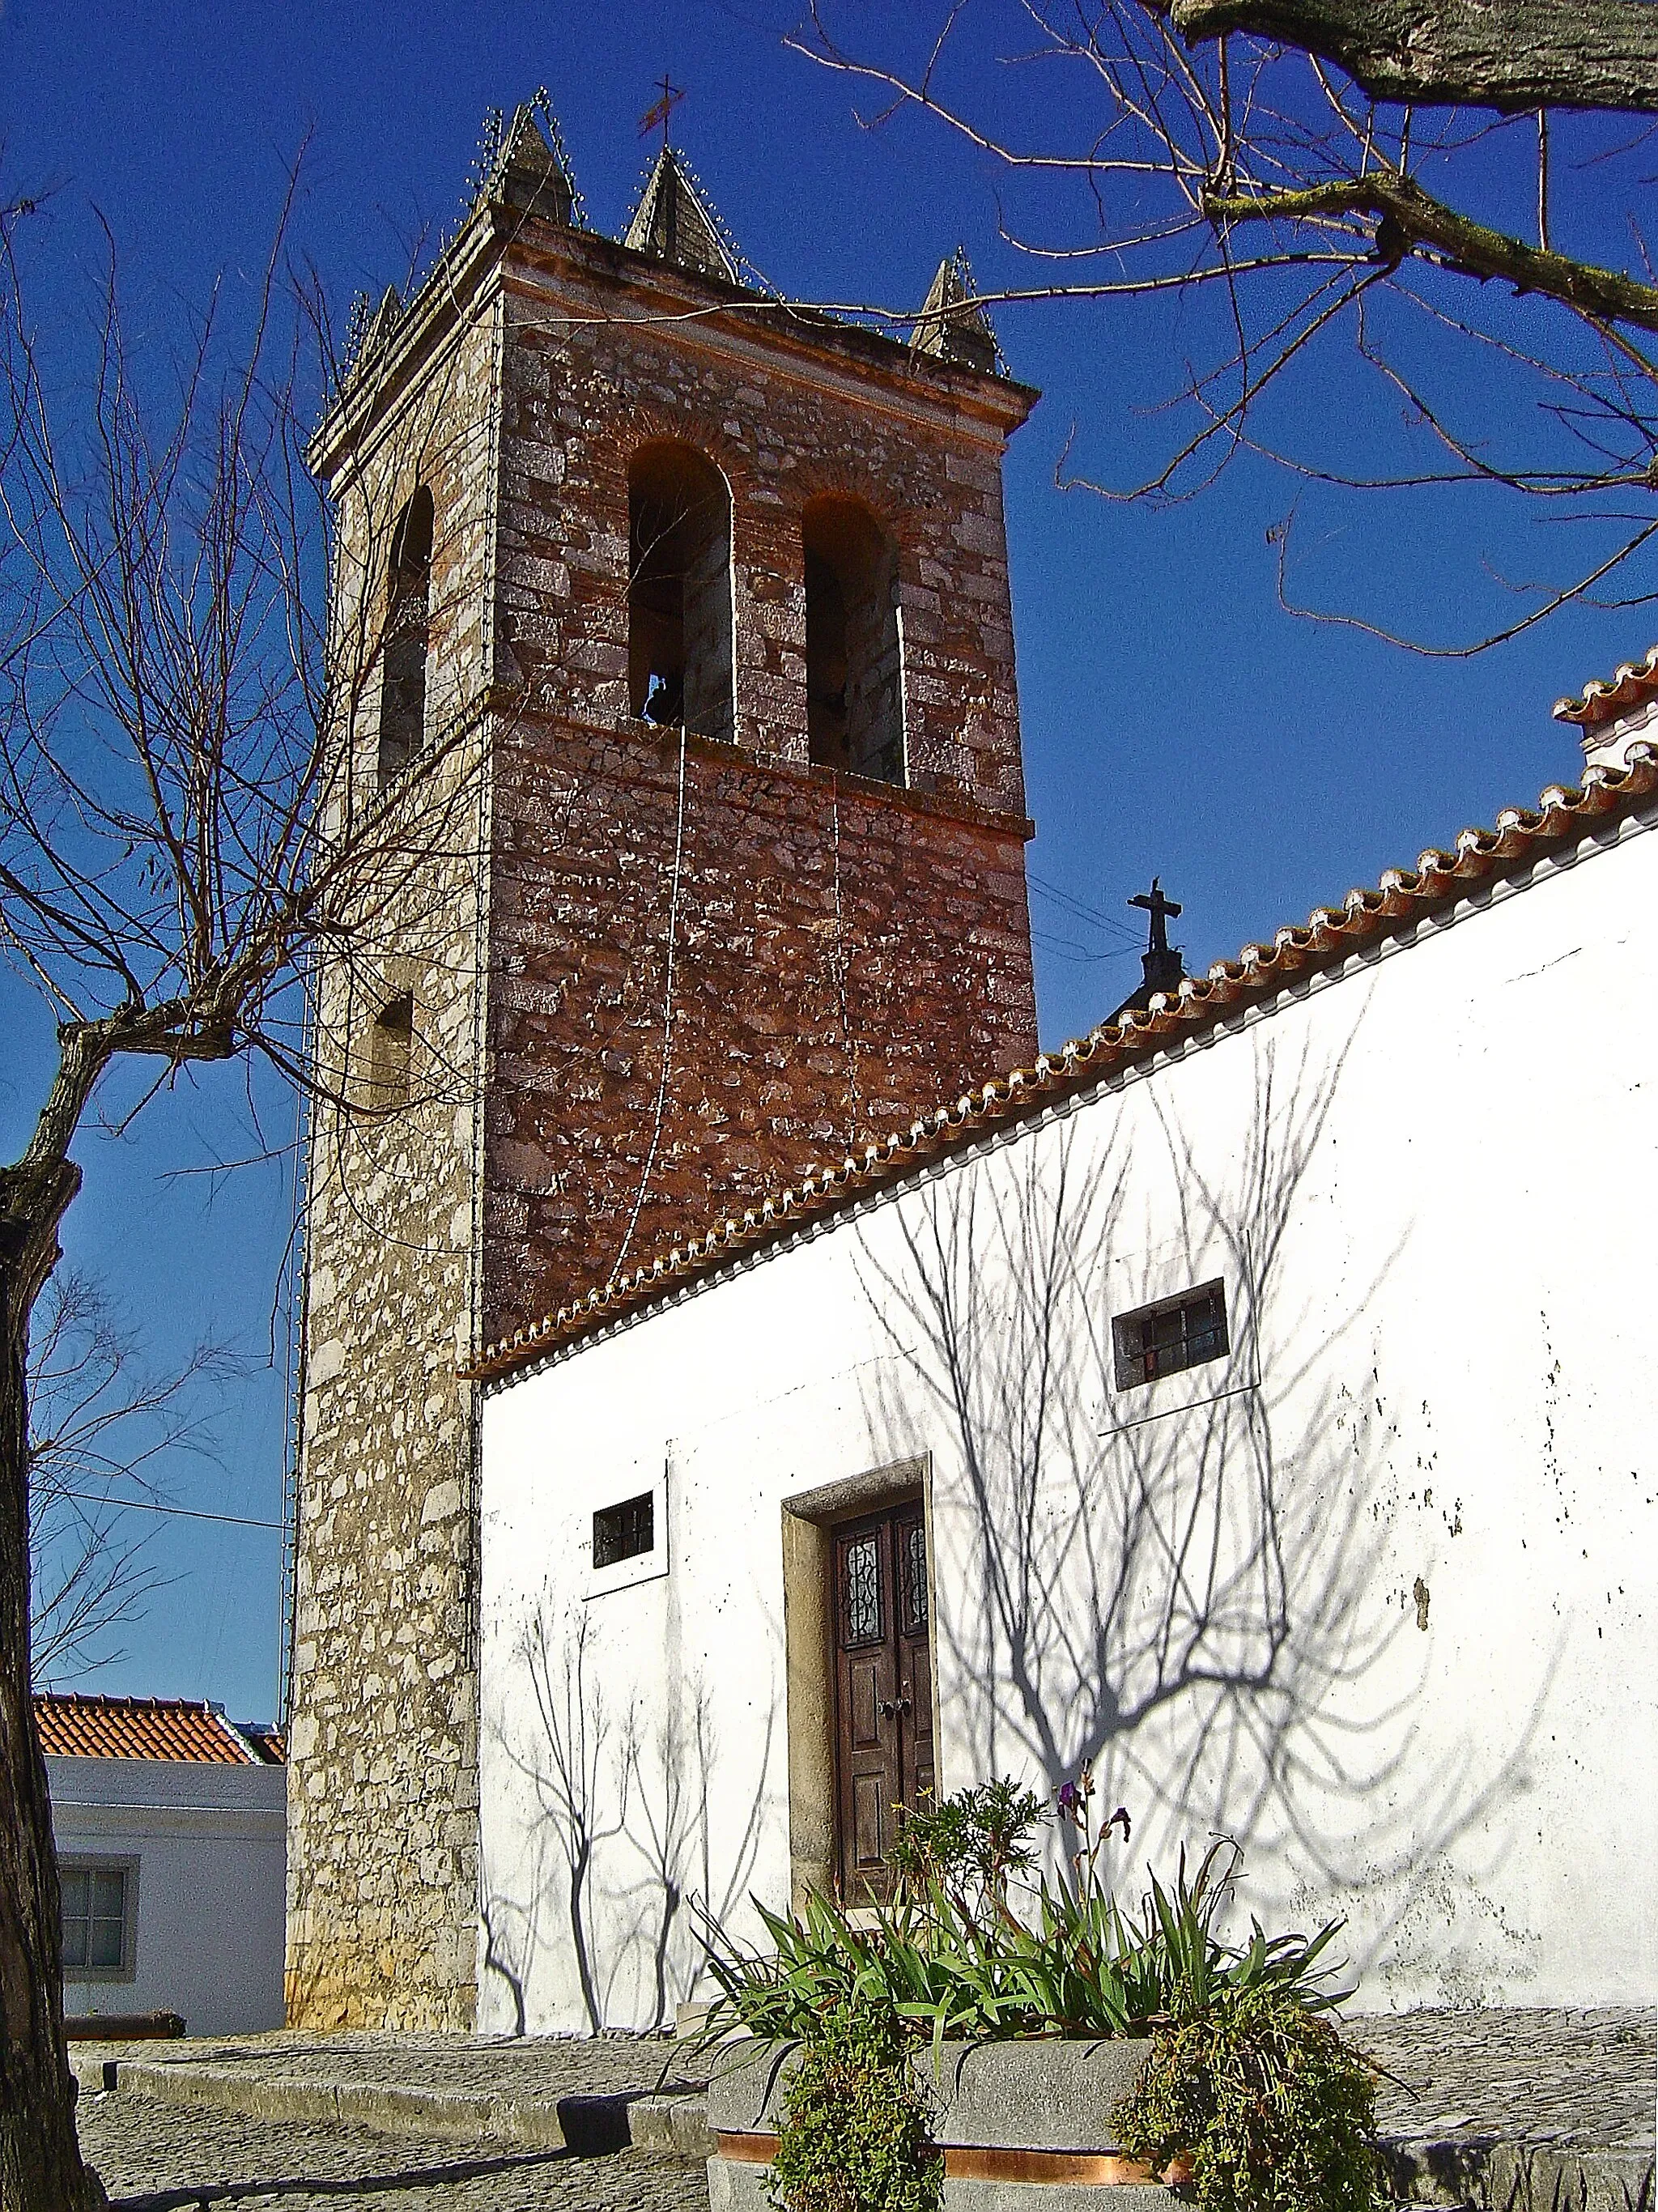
(1176, 719)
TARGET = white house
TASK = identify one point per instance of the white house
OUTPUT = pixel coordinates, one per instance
(170, 1823)
(1255, 1397)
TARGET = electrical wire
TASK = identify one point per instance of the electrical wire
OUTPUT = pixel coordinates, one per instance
(178, 1512)
(848, 1041)
(667, 1022)
(1083, 912)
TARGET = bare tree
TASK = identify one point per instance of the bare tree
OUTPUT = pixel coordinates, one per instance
(1404, 201)
(190, 810)
(101, 1418)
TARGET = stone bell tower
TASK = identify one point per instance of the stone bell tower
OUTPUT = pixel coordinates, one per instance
(684, 610)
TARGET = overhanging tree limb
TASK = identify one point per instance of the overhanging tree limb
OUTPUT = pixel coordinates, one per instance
(1513, 55)
(1409, 219)
(1433, 225)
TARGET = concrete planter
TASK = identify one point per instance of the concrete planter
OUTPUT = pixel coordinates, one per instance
(1024, 2127)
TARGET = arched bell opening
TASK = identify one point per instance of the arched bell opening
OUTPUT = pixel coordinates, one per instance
(680, 660)
(854, 659)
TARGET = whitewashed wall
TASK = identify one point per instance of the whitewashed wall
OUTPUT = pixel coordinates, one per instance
(1376, 1596)
(208, 1842)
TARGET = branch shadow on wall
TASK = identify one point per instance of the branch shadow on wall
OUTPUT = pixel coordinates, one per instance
(1182, 1583)
(621, 1860)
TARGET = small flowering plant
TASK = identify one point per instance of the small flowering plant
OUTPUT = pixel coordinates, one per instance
(1075, 1804)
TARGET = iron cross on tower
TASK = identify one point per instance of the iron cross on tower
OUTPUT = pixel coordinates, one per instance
(1161, 909)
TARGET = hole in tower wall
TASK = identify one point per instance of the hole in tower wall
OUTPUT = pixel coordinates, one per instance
(854, 675)
(407, 638)
(391, 1042)
(679, 591)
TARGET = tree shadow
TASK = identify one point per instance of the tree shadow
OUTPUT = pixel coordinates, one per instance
(1183, 1583)
(423, 2174)
(619, 1863)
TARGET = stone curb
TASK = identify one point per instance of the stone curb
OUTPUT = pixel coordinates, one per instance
(1498, 2175)
(678, 2124)
(584, 2125)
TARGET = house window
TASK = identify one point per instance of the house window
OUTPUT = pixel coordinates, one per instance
(390, 1049)
(854, 682)
(98, 1921)
(680, 664)
(1176, 1333)
(624, 1531)
(408, 635)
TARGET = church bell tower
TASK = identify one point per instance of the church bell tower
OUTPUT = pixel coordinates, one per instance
(690, 605)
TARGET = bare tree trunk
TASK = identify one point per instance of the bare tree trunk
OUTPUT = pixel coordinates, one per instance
(40, 2165)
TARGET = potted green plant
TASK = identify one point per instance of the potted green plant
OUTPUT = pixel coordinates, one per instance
(997, 2025)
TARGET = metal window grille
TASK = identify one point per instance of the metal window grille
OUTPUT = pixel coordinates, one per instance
(912, 1553)
(862, 1611)
(1176, 1333)
(623, 1531)
(95, 1919)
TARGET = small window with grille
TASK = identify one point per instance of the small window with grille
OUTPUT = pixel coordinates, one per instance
(98, 1918)
(630, 1532)
(624, 1531)
(1176, 1333)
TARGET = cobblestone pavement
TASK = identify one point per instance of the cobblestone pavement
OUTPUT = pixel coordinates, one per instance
(1582, 2078)
(154, 2156)
(1583, 2081)
(1496, 2108)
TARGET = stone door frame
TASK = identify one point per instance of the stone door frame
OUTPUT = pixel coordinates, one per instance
(809, 1520)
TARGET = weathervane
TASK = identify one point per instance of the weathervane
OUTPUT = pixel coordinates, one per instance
(671, 96)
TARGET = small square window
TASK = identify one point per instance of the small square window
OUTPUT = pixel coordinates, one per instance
(624, 1531)
(97, 1911)
(1176, 1333)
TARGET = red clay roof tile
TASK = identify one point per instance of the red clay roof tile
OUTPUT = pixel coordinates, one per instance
(76, 1726)
(1604, 699)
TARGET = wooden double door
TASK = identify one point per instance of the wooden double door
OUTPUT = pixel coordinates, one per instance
(883, 1689)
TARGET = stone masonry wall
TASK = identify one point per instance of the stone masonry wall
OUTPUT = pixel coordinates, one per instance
(845, 953)
(842, 957)
(383, 1793)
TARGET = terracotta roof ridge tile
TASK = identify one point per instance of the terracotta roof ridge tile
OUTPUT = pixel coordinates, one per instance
(1365, 916)
(1603, 699)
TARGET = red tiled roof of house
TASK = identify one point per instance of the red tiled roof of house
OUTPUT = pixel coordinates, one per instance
(75, 1727)
(1403, 897)
(268, 1744)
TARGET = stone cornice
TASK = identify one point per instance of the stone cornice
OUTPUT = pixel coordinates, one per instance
(534, 254)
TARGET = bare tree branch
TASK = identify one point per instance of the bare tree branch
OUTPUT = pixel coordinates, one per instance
(1180, 134)
(191, 810)
(1409, 219)
(102, 1424)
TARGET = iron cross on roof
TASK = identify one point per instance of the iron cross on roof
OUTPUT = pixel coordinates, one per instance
(671, 96)
(1161, 909)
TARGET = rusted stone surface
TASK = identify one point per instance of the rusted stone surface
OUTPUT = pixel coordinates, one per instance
(844, 955)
